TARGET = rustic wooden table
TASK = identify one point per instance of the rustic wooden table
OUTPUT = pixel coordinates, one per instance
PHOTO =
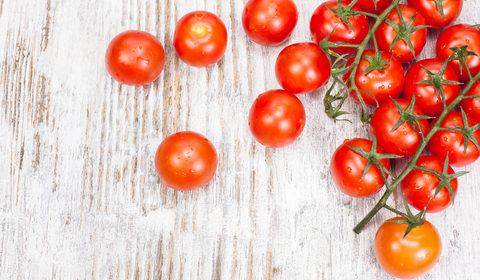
(79, 196)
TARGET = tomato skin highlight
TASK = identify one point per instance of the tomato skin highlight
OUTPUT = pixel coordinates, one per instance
(403, 141)
(429, 10)
(369, 5)
(382, 84)
(452, 142)
(472, 105)
(302, 68)
(408, 257)
(419, 186)
(458, 36)
(135, 58)
(186, 161)
(269, 23)
(385, 34)
(323, 22)
(426, 95)
(347, 168)
(276, 118)
(200, 39)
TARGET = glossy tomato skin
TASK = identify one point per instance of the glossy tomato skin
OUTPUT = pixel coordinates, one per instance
(458, 36)
(135, 58)
(277, 118)
(347, 168)
(269, 22)
(403, 141)
(369, 5)
(200, 39)
(323, 22)
(385, 34)
(408, 257)
(452, 142)
(419, 186)
(426, 95)
(302, 68)
(429, 10)
(472, 105)
(186, 161)
(382, 84)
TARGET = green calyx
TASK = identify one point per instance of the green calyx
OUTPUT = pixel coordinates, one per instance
(440, 8)
(407, 116)
(437, 80)
(376, 63)
(344, 13)
(467, 131)
(461, 54)
(411, 220)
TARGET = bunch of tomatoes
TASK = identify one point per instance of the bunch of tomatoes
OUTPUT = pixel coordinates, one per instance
(401, 126)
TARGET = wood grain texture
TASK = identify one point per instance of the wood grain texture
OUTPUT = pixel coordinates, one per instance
(79, 196)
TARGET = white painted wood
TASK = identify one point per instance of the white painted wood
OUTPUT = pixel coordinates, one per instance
(79, 196)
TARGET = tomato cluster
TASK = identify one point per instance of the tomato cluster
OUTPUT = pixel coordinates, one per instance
(412, 109)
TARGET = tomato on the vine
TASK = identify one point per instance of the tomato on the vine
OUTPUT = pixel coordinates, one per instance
(386, 34)
(135, 58)
(277, 118)
(373, 6)
(431, 12)
(405, 139)
(269, 22)
(472, 105)
(379, 84)
(458, 36)
(324, 21)
(302, 68)
(452, 143)
(428, 96)
(200, 39)
(419, 186)
(408, 256)
(186, 161)
(347, 168)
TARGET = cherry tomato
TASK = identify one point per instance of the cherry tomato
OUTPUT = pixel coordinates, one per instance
(135, 58)
(410, 256)
(302, 68)
(431, 13)
(472, 105)
(269, 22)
(370, 6)
(186, 161)
(382, 84)
(386, 34)
(419, 187)
(404, 140)
(457, 36)
(277, 118)
(452, 142)
(200, 39)
(324, 21)
(427, 98)
(347, 168)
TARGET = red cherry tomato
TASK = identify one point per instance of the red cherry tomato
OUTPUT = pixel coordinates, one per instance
(431, 13)
(382, 84)
(347, 168)
(452, 142)
(458, 36)
(385, 34)
(200, 39)
(302, 68)
(269, 22)
(408, 256)
(419, 187)
(186, 161)
(370, 6)
(277, 118)
(426, 95)
(324, 21)
(135, 58)
(472, 105)
(404, 140)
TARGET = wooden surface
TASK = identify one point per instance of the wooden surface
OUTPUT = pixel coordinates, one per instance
(79, 196)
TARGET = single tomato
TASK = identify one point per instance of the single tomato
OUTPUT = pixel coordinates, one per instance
(186, 161)
(302, 68)
(200, 39)
(431, 13)
(135, 58)
(472, 105)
